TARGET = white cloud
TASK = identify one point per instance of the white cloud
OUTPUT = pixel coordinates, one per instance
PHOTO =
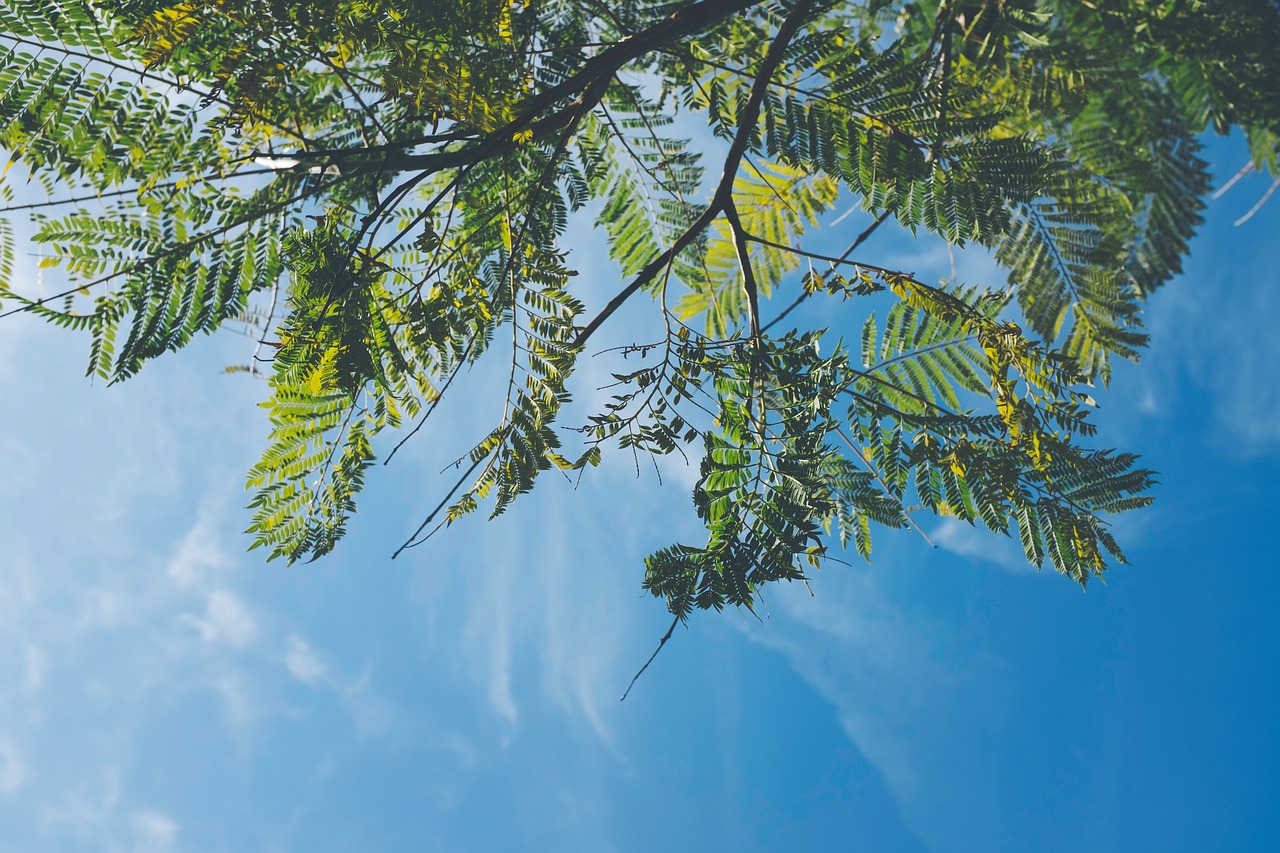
(35, 664)
(303, 662)
(85, 812)
(1149, 402)
(1209, 327)
(980, 544)
(500, 696)
(13, 770)
(544, 613)
(154, 831)
(488, 636)
(226, 619)
(18, 584)
(904, 690)
(104, 608)
(875, 643)
(199, 553)
(369, 714)
(1246, 382)
(583, 631)
(236, 702)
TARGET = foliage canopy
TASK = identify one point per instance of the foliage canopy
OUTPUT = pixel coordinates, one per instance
(380, 189)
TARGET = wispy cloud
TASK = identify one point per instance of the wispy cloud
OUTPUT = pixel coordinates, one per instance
(13, 770)
(18, 585)
(1221, 334)
(543, 622)
(583, 629)
(226, 619)
(303, 662)
(488, 624)
(497, 623)
(155, 832)
(126, 616)
(903, 689)
(980, 544)
(117, 632)
(35, 664)
(84, 809)
(237, 701)
(370, 715)
(200, 554)
(1246, 372)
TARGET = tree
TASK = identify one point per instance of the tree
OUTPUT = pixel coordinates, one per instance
(379, 189)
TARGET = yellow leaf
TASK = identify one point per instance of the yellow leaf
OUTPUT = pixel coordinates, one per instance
(506, 235)
(504, 25)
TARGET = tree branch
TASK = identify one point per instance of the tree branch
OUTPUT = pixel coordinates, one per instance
(748, 274)
(888, 491)
(661, 643)
(723, 195)
(683, 22)
(844, 258)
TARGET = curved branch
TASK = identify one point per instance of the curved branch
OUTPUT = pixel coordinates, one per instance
(601, 67)
(723, 195)
(748, 274)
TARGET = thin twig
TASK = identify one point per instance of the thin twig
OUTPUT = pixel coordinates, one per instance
(199, 239)
(1246, 169)
(724, 191)
(888, 491)
(661, 643)
(410, 542)
(266, 327)
(138, 191)
(457, 368)
(844, 257)
(1270, 190)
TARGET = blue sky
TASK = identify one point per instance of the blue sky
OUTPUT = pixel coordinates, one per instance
(160, 689)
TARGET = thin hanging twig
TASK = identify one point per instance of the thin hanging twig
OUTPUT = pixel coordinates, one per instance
(1246, 169)
(661, 643)
(888, 491)
(1270, 190)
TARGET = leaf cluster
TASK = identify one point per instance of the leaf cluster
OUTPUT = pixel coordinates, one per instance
(379, 190)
